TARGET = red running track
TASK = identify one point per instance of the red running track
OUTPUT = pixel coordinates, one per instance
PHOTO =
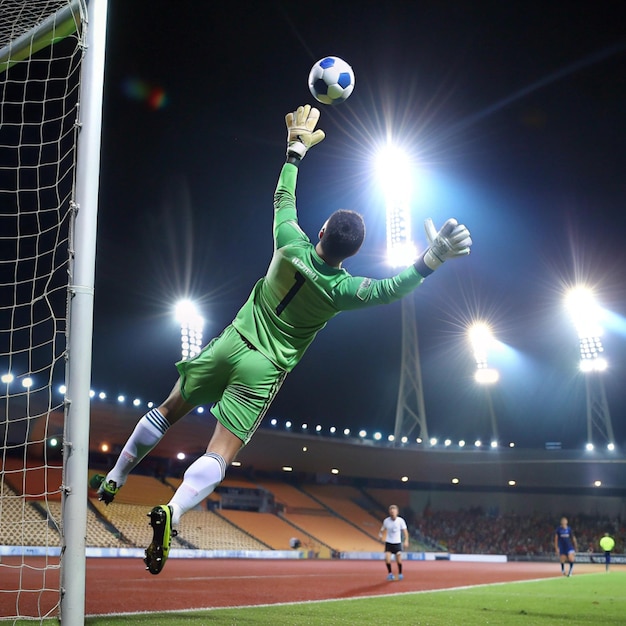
(122, 585)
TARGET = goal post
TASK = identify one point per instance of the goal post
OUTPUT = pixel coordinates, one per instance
(80, 320)
(51, 84)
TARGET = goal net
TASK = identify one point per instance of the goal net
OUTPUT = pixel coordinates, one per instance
(40, 62)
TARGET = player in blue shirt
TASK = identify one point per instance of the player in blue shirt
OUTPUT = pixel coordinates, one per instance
(565, 545)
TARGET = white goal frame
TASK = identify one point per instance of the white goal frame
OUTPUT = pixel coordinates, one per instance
(91, 16)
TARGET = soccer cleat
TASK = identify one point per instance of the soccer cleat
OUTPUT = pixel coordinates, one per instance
(400, 576)
(390, 577)
(106, 490)
(158, 551)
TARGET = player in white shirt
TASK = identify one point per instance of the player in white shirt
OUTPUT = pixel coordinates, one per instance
(397, 537)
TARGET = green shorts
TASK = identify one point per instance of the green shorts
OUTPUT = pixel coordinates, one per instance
(236, 377)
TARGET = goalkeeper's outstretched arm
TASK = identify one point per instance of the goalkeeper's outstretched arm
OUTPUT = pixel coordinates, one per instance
(453, 240)
(301, 133)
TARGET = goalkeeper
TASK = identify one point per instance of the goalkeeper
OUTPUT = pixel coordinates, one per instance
(240, 371)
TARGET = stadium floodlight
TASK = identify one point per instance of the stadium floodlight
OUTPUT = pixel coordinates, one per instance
(394, 172)
(481, 339)
(362, 434)
(597, 483)
(287, 424)
(191, 324)
(433, 441)
(589, 447)
(7, 378)
(610, 447)
(462, 443)
(585, 313)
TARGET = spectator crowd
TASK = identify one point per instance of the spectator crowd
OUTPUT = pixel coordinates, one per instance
(475, 531)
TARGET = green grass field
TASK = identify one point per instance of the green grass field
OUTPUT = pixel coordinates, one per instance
(583, 599)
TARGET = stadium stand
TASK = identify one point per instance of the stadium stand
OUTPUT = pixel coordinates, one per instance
(24, 523)
(145, 490)
(130, 520)
(37, 480)
(315, 520)
(210, 531)
(98, 533)
(272, 530)
(342, 501)
(477, 532)
(332, 531)
(385, 497)
(290, 498)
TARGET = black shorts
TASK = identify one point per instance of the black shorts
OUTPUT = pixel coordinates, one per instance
(394, 548)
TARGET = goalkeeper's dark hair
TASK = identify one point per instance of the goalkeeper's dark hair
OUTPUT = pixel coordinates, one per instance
(343, 235)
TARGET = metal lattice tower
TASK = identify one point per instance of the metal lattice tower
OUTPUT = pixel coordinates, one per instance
(394, 169)
(598, 415)
(410, 408)
(586, 315)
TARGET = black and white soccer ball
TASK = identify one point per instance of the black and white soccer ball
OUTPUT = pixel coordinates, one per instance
(331, 80)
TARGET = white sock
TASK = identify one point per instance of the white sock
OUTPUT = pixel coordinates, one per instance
(199, 481)
(148, 432)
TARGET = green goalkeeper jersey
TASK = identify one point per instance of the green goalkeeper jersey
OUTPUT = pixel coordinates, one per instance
(300, 292)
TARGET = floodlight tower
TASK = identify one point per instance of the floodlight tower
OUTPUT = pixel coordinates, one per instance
(191, 324)
(585, 314)
(481, 338)
(395, 175)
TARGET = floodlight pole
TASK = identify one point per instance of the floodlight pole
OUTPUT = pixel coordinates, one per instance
(492, 415)
(585, 314)
(410, 407)
(598, 415)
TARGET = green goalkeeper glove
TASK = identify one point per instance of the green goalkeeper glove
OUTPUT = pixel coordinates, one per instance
(453, 240)
(301, 133)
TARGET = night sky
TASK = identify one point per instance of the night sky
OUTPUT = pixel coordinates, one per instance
(514, 114)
